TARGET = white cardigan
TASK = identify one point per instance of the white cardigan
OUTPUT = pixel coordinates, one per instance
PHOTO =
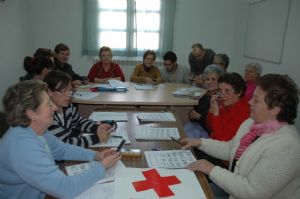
(269, 168)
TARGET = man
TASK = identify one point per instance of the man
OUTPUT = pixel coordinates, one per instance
(173, 72)
(62, 55)
(199, 58)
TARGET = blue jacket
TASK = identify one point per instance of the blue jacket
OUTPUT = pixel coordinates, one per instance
(28, 169)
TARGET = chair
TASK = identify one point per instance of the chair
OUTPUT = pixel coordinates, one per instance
(3, 124)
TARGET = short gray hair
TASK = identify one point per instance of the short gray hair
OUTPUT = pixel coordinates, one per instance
(256, 66)
(19, 98)
(213, 68)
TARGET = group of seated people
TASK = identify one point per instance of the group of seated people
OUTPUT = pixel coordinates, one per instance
(241, 130)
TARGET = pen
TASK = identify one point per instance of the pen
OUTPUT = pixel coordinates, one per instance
(176, 140)
(120, 145)
(117, 136)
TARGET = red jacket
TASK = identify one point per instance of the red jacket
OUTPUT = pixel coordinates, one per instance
(97, 70)
(224, 126)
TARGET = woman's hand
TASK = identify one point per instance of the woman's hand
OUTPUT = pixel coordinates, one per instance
(104, 131)
(76, 83)
(101, 155)
(214, 105)
(193, 115)
(201, 165)
(190, 142)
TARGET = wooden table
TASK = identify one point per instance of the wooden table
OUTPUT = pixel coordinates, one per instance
(159, 98)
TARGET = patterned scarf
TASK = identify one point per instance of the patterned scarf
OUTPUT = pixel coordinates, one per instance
(257, 130)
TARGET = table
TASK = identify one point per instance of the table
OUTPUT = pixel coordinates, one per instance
(144, 145)
(159, 98)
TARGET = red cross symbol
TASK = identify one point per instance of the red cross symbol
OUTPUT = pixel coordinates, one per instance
(156, 182)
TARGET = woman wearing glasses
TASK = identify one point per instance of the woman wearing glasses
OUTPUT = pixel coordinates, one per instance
(68, 125)
(105, 69)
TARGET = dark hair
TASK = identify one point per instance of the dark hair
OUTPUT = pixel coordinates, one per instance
(37, 65)
(57, 80)
(104, 48)
(149, 52)
(19, 98)
(61, 47)
(43, 52)
(225, 59)
(197, 45)
(236, 81)
(281, 91)
(170, 55)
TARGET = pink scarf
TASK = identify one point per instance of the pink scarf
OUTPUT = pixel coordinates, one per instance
(257, 130)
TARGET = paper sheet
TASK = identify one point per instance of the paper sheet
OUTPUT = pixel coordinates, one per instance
(154, 133)
(188, 188)
(101, 116)
(157, 117)
(98, 191)
(85, 95)
(109, 174)
(169, 158)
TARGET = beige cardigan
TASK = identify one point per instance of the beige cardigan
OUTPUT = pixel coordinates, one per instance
(269, 168)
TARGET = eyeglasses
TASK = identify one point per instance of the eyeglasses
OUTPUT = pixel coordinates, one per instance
(225, 92)
(66, 92)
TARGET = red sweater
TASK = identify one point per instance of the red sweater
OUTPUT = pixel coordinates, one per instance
(98, 71)
(224, 126)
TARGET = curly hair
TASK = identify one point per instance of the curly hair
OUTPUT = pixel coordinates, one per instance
(19, 98)
(281, 91)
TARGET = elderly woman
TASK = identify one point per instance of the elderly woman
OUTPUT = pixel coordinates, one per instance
(222, 60)
(251, 76)
(229, 108)
(28, 151)
(105, 69)
(146, 72)
(68, 125)
(196, 128)
(264, 155)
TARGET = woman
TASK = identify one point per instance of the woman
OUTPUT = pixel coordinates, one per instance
(264, 155)
(221, 60)
(105, 69)
(251, 75)
(68, 125)
(62, 55)
(36, 68)
(229, 108)
(146, 72)
(196, 128)
(28, 151)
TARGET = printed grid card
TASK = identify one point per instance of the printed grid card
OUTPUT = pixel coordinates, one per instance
(156, 117)
(174, 159)
(156, 133)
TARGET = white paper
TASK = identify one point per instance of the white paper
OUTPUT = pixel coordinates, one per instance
(85, 95)
(157, 117)
(169, 158)
(189, 187)
(114, 83)
(101, 116)
(115, 141)
(109, 173)
(98, 191)
(144, 86)
(154, 133)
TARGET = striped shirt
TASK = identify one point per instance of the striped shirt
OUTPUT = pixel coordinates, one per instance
(70, 127)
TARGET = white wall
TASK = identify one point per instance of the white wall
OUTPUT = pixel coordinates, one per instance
(15, 41)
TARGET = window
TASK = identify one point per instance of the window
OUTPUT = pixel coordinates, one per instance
(129, 27)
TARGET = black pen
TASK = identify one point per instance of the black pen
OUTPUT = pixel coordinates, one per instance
(117, 136)
(176, 141)
(120, 145)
